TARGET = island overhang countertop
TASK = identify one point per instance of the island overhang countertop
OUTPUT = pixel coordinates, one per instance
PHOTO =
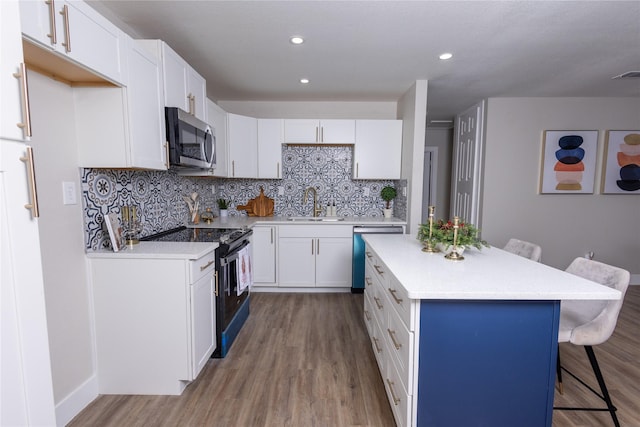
(487, 274)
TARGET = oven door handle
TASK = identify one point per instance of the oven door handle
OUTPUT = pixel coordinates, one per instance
(232, 256)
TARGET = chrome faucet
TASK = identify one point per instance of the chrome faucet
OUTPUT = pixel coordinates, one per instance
(316, 209)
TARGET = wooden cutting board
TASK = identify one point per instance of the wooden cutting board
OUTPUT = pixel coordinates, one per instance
(259, 206)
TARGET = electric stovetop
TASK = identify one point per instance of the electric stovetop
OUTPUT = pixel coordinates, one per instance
(184, 234)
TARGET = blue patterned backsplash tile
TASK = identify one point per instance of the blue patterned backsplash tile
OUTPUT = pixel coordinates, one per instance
(158, 195)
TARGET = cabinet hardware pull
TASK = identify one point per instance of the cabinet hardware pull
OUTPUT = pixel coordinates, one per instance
(378, 269)
(367, 280)
(377, 300)
(357, 169)
(271, 235)
(321, 134)
(396, 401)
(318, 251)
(216, 275)
(392, 334)
(233, 168)
(317, 140)
(393, 294)
(375, 342)
(31, 177)
(52, 21)
(367, 315)
(166, 149)
(278, 169)
(368, 254)
(207, 265)
(67, 35)
(26, 109)
(311, 246)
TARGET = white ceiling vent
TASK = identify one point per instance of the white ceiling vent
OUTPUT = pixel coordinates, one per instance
(627, 75)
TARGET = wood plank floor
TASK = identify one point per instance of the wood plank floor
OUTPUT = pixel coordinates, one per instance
(305, 360)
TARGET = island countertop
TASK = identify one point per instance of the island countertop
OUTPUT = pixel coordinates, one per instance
(487, 274)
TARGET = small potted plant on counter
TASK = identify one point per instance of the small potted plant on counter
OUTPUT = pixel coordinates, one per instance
(223, 206)
(388, 193)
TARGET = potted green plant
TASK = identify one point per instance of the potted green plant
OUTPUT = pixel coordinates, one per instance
(388, 193)
(442, 235)
(223, 206)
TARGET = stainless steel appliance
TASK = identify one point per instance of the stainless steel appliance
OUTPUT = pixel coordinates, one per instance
(191, 142)
(357, 282)
(232, 307)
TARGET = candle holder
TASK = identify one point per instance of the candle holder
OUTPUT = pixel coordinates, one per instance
(428, 244)
(454, 255)
(131, 226)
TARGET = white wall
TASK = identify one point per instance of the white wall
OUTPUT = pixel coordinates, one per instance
(566, 226)
(412, 109)
(61, 241)
(311, 110)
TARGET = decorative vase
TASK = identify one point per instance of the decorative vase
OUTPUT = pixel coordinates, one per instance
(388, 213)
(447, 248)
(224, 213)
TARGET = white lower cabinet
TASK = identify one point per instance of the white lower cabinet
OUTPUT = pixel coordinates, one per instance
(154, 322)
(315, 256)
(392, 334)
(264, 255)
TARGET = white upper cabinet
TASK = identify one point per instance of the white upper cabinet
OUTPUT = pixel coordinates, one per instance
(242, 133)
(378, 150)
(76, 31)
(270, 148)
(304, 131)
(124, 127)
(218, 121)
(183, 86)
(14, 105)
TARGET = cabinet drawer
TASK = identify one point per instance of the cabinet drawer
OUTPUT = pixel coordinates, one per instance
(400, 343)
(368, 313)
(326, 230)
(380, 350)
(202, 266)
(399, 300)
(399, 399)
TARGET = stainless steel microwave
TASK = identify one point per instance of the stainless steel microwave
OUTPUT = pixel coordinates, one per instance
(192, 142)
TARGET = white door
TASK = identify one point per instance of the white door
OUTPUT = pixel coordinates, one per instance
(296, 262)
(270, 141)
(264, 255)
(333, 261)
(467, 164)
(242, 134)
(27, 387)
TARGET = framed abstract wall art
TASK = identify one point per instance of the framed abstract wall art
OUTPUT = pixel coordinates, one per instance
(568, 161)
(621, 163)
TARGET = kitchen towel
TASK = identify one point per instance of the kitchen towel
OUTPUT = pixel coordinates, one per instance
(244, 272)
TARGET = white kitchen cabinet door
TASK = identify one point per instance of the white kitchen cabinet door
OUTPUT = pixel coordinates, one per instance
(306, 131)
(26, 394)
(270, 148)
(124, 127)
(378, 149)
(333, 262)
(242, 133)
(203, 322)
(184, 88)
(217, 119)
(78, 32)
(296, 262)
(197, 92)
(14, 101)
(264, 255)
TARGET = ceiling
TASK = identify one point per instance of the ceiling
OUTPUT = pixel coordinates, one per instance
(375, 50)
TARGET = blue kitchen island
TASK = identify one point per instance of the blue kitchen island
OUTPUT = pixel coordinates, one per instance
(466, 343)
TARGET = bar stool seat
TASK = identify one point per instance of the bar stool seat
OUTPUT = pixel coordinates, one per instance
(524, 249)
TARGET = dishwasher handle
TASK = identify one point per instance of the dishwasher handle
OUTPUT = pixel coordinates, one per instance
(391, 229)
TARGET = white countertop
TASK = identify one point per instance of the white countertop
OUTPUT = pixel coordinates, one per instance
(249, 221)
(487, 274)
(159, 250)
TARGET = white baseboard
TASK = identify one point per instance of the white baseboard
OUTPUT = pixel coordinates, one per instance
(635, 279)
(75, 402)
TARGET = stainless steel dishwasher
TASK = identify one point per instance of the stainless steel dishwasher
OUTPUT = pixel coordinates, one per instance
(357, 282)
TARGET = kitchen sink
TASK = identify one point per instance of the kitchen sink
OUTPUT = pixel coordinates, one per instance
(315, 218)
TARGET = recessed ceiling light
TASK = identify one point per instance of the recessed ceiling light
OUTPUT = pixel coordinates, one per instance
(304, 81)
(296, 40)
(446, 56)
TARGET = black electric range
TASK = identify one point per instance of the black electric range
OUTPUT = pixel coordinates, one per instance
(184, 234)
